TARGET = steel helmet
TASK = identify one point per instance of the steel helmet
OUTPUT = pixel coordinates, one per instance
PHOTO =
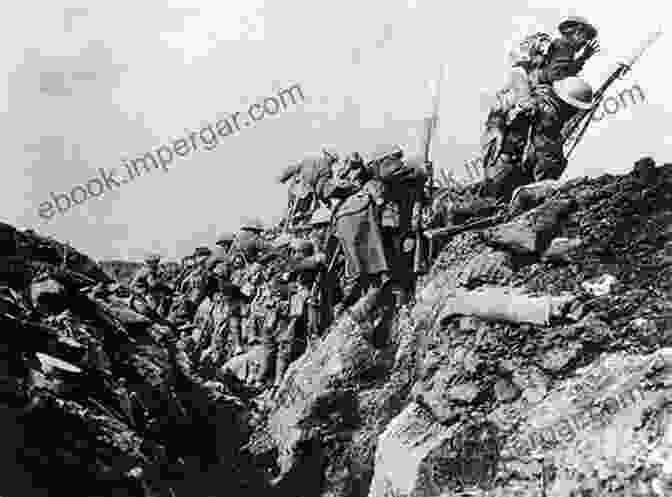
(384, 151)
(225, 239)
(330, 153)
(253, 225)
(573, 21)
(152, 258)
(574, 91)
(202, 252)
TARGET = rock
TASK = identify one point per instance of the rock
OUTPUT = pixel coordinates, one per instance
(412, 445)
(487, 267)
(312, 381)
(505, 391)
(466, 392)
(558, 358)
(561, 249)
(600, 286)
(533, 383)
(435, 394)
(510, 365)
(596, 421)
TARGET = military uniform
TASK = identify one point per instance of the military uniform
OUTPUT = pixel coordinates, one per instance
(561, 60)
(267, 325)
(193, 286)
(305, 301)
(401, 213)
(305, 177)
(539, 61)
(150, 291)
(224, 334)
(356, 226)
(546, 113)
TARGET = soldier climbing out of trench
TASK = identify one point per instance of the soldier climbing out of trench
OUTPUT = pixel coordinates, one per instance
(538, 60)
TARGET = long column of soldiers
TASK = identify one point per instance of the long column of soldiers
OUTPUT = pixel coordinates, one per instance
(249, 307)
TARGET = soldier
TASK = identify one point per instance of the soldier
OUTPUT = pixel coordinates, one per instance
(544, 115)
(225, 333)
(538, 61)
(148, 287)
(306, 175)
(357, 198)
(250, 243)
(222, 253)
(191, 287)
(203, 322)
(401, 213)
(267, 323)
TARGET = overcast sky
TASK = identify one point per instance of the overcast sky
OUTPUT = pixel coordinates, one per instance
(87, 85)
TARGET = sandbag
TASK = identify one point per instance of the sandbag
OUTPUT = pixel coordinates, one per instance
(506, 304)
(528, 196)
(487, 267)
(532, 232)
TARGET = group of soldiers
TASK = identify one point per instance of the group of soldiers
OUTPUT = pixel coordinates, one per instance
(354, 227)
(260, 297)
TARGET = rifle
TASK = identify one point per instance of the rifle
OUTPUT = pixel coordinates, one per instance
(438, 234)
(420, 262)
(578, 127)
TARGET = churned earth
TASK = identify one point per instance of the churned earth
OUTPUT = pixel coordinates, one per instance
(535, 361)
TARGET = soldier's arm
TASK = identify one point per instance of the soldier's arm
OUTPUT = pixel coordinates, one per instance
(339, 188)
(288, 173)
(139, 281)
(562, 64)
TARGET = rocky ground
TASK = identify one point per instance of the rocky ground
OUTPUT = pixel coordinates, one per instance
(535, 361)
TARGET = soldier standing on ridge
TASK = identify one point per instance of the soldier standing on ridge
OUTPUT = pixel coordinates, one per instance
(356, 226)
(538, 61)
(544, 115)
(401, 212)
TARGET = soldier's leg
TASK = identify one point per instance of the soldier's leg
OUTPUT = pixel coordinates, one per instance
(264, 368)
(547, 165)
(352, 290)
(505, 176)
(285, 340)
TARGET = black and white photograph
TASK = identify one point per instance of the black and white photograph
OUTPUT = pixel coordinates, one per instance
(306, 248)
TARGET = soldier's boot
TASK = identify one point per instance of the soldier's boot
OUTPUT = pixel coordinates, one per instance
(366, 305)
(352, 290)
(313, 324)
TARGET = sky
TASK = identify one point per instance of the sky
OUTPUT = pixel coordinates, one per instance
(88, 85)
